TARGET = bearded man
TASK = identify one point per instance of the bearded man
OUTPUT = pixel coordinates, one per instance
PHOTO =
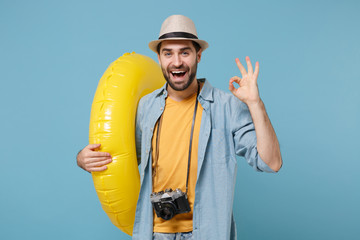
(187, 137)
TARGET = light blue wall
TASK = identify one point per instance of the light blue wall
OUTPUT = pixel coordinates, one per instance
(52, 54)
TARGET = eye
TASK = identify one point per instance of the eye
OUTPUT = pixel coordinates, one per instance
(185, 53)
(167, 54)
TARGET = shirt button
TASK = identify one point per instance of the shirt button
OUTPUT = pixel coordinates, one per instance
(151, 129)
(161, 108)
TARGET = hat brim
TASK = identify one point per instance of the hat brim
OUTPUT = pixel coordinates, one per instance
(153, 44)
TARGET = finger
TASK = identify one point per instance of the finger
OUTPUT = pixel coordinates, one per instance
(249, 66)
(241, 67)
(97, 169)
(90, 156)
(231, 87)
(231, 83)
(98, 163)
(97, 159)
(256, 73)
(93, 146)
(98, 154)
(235, 79)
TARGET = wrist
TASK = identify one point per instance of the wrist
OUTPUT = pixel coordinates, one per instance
(254, 103)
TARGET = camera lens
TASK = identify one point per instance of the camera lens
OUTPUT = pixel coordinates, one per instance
(167, 212)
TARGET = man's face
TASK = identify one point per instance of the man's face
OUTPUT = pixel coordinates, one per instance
(178, 60)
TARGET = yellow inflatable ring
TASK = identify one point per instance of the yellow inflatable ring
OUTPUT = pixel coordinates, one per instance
(112, 124)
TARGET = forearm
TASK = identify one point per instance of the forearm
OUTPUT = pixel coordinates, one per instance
(267, 142)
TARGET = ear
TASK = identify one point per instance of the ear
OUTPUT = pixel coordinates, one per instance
(198, 55)
(159, 59)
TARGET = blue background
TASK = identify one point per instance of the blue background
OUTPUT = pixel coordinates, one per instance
(52, 54)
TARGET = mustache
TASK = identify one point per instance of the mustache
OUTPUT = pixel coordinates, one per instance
(181, 67)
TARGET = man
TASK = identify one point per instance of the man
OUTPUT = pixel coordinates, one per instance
(187, 136)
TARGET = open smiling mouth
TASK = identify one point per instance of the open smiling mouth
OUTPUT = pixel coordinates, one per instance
(178, 74)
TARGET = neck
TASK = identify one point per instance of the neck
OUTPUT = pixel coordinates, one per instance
(181, 95)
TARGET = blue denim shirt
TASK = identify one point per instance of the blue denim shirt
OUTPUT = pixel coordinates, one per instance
(226, 130)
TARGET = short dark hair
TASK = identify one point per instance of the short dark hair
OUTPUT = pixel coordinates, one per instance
(196, 46)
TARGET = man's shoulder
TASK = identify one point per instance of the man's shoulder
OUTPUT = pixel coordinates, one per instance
(225, 101)
(148, 100)
(152, 95)
(221, 93)
(225, 97)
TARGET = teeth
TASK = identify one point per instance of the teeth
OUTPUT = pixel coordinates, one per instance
(177, 72)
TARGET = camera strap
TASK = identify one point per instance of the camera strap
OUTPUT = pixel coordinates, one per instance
(190, 145)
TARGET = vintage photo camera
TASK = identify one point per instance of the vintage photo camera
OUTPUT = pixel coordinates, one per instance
(168, 203)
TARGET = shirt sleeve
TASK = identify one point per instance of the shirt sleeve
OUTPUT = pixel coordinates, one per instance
(244, 135)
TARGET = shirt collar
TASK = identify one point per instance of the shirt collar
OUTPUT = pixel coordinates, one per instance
(206, 91)
(161, 91)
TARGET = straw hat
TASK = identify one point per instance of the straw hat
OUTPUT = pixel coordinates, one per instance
(178, 27)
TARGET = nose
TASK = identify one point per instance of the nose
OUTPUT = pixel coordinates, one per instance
(177, 60)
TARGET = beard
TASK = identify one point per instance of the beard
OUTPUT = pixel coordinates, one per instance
(185, 84)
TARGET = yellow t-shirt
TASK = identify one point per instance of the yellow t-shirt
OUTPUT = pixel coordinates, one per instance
(171, 169)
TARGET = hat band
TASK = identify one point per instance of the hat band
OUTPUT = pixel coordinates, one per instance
(178, 35)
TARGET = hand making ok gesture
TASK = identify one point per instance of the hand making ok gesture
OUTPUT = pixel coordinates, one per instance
(247, 91)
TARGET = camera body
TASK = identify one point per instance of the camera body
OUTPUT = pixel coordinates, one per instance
(168, 203)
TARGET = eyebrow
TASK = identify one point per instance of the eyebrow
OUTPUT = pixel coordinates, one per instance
(166, 50)
(169, 49)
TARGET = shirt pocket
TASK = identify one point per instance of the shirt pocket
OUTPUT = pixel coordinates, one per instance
(219, 146)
